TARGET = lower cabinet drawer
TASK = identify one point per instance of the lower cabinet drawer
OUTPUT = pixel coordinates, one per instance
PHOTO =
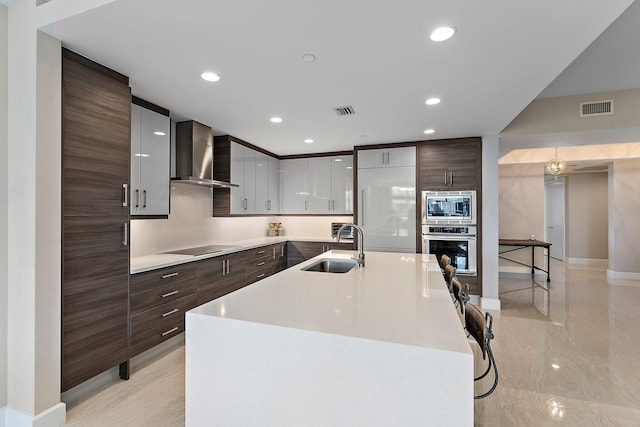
(159, 324)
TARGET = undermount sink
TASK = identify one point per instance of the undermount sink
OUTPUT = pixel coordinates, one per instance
(332, 265)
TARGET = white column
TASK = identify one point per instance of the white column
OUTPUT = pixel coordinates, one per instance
(490, 208)
(4, 247)
(33, 223)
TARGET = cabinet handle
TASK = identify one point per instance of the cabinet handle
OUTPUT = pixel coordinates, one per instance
(166, 276)
(445, 178)
(306, 205)
(260, 276)
(244, 204)
(261, 264)
(274, 252)
(125, 195)
(228, 265)
(268, 205)
(169, 313)
(451, 178)
(125, 235)
(333, 205)
(282, 250)
(137, 198)
(329, 202)
(169, 331)
(168, 294)
(362, 207)
(261, 252)
(144, 198)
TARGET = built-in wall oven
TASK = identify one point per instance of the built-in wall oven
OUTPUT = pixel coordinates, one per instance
(456, 241)
(449, 226)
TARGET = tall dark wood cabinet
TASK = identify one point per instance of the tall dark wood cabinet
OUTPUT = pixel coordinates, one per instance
(96, 111)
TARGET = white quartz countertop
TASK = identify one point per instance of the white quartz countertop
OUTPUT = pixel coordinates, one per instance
(150, 262)
(396, 297)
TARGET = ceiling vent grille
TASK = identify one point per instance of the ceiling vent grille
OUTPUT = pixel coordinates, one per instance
(596, 108)
(344, 111)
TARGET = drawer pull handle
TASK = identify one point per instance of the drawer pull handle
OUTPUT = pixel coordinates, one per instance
(166, 276)
(261, 264)
(260, 276)
(168, 294)
(260, 252)
(169, 313)
(170, 331)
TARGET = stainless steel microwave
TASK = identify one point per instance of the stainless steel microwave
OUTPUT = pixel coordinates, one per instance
(449, 207)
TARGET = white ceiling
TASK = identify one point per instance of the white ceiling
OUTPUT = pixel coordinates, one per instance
(374, 56)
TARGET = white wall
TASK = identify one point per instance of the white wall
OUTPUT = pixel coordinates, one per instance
(191, 224)
(624, 206)
(4, 248)
(490, 222)
(521, 211)
(587, 216)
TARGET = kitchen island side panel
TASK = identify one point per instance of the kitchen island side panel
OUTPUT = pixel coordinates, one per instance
(245, 373)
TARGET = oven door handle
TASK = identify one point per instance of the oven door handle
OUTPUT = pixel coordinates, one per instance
(449, 237)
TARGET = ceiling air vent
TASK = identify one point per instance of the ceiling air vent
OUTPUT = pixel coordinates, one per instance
(344, 111)
(596, 108)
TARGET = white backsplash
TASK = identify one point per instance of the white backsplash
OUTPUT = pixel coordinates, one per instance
(191, 224)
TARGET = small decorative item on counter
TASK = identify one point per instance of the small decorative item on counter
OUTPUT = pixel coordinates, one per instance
(533, 237)
(275, 229)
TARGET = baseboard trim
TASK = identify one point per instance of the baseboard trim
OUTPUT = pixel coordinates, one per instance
(588, 261)
(56, 416)
(490, 304)
(612, 275)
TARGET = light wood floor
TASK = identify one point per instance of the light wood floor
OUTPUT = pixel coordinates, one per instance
(152, 397)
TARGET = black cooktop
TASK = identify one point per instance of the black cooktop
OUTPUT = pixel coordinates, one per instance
(201, 250)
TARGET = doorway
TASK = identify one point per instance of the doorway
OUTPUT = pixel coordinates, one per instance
(554, 215)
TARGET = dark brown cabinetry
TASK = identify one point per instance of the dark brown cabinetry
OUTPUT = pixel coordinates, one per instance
(454, 164)
(265, 261)
(298, 252)
(96, 115)
(159, 299)
(221, 275)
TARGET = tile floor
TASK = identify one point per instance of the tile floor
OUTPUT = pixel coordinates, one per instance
(568, 355)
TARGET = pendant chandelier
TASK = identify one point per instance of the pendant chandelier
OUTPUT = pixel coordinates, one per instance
(556, 166)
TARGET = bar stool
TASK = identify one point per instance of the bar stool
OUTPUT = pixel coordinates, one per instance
(460, 294)
(444, 261)
(449, 272)
(480, 327)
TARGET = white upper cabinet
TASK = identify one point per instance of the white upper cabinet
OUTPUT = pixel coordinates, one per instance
(267, 184)
(317, 185)
(150, 148)
(294, 186)
(243, 173)
(387, 157)
(342, 184)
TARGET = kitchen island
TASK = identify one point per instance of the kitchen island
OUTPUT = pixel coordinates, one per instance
(378, 345)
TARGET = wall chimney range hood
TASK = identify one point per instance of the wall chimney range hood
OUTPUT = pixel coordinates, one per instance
(194, 155)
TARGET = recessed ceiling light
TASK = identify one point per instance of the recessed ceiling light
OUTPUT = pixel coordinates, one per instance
(308, 57)
(275, 120)
(432, 101)
(555, 366)
(441, 34)
(159, 133)
(308, 141)
(429, 131)
(210, 77)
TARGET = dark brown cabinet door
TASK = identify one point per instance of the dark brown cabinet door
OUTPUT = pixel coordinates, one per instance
(450, 165)
(95, 176)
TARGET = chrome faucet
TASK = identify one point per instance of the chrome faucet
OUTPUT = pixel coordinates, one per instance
(360, 241)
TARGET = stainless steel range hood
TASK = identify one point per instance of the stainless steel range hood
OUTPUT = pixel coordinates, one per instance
(194, 155)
